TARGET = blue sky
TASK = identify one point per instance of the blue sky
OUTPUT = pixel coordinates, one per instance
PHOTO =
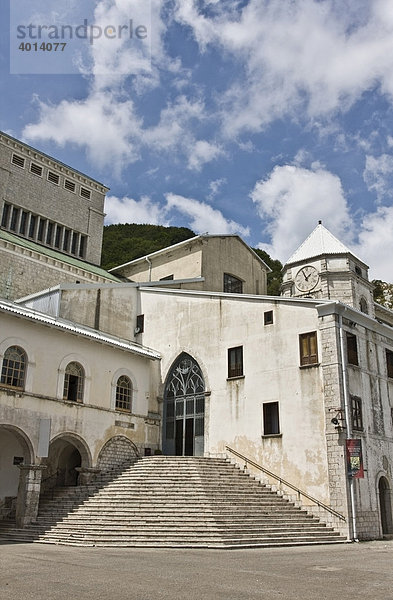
(233, 116)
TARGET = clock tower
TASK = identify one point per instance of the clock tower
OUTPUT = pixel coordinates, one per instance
(324, 268)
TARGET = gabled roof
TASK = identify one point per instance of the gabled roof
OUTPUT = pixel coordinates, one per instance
(319, 242)
(185, 243)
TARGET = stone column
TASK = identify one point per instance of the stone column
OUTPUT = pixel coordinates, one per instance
(86, 474)
(28, 494)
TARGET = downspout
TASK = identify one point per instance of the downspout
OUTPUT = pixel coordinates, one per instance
(347, 422)
(150, 266)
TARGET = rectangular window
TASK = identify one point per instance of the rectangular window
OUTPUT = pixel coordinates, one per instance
(66, 240)
(53, 177)
(49, 233)
(69, 185)
(6, 215)
(389, 363)
(235, 362)
(41, 230)
(268, 317)
(356, 412)
(308, 348)
(271, 422)
(23, 222)
(32, 226)
(58, 236)
(74, 242)
(17, 160)
(232, 284)
(352, 349)
(85, 193)
(140, 323)
(14, 218)
(82, 246)
(36, 169)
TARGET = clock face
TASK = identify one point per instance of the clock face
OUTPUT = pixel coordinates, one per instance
(306, 279)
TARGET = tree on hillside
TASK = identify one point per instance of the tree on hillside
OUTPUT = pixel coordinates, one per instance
(274, 279)
(125, 242)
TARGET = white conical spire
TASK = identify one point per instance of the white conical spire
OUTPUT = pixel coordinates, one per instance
(319, 242)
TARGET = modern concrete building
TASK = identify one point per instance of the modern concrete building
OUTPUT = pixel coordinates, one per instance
(51, 219)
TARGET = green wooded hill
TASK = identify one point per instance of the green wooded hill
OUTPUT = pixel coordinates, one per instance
(122, 243)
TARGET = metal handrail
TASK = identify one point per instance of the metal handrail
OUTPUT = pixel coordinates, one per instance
(282, 481)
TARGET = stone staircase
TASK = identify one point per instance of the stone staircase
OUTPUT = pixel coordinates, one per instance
(166, 501)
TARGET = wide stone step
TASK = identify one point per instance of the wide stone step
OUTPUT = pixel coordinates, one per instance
(172, 502)
(146, 530)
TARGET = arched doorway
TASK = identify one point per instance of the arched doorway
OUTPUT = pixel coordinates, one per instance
(385, 505)
(15, 449)
(66, 454)
(184, 408)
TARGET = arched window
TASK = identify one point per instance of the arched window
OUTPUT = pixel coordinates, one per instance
(13, 370)
(123, 393)
(74, 380)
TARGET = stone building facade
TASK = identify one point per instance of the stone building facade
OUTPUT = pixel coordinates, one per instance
(45, 201)
(283, 381)
(206, 262)
(73, 402)
(288, 382)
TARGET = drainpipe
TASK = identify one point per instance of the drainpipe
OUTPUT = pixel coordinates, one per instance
(347, 422)
(150, 266)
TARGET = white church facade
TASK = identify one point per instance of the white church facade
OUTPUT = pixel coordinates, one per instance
(300, 384)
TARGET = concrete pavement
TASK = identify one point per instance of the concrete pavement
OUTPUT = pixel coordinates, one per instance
(339, 572)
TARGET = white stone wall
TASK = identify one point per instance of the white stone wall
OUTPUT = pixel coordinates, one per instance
(205, 327)
(91, 424)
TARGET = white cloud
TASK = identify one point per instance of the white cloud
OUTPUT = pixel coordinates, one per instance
(378, 175)
(98, 123)
(317, 56)
(202, 152)
(375, 240)
(204, 218)
(173, 129)
(128, 210)
(292, 199)
(215, 186)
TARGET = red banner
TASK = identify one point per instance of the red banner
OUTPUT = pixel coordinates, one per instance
(355, 459)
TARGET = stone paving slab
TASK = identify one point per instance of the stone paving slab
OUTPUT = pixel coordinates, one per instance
(338, 572)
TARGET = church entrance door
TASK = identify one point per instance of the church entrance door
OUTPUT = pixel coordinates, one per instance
(184, 409)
